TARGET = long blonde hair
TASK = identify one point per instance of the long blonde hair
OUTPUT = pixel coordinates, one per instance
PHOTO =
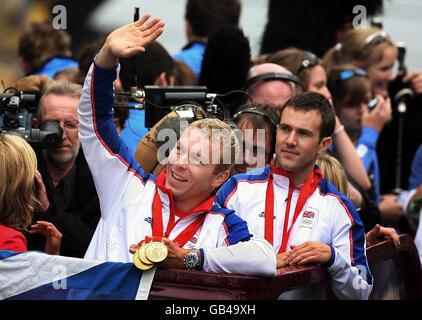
(18, 164)
(354, 49)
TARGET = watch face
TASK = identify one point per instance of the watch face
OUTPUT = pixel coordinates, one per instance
(191, 260)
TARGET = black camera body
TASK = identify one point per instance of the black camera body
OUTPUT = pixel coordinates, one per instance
(16, 113)
(160, 100)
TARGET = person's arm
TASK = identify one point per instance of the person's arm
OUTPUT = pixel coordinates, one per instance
(237, 252)
(235, 249)
(372, 124)
(348, 156)
(379, 233)
(366, 143)
(348, 268)
(112, 166)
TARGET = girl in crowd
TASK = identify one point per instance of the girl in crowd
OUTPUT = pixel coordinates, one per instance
(351, 92)
(373, 51)
(370, 50)
(18, 198)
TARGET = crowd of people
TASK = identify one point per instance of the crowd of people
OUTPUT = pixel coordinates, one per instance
(296, 175)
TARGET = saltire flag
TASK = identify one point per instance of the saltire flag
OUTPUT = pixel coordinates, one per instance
(34, 275)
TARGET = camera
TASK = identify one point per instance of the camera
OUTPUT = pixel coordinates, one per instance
(190, 102)
(16, 113)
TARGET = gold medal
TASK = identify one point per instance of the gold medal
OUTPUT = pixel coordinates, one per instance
(142, 256)
(156, 251)
(138, 263)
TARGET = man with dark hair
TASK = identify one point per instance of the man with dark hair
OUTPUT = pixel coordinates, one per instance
(152, 67)
(44, 50)
(202, 19)
(297, 210)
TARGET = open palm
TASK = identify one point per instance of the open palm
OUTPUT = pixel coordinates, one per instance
(132, 38)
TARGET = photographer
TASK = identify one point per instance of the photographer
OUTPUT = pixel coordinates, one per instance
(18, 199)
(67, 192)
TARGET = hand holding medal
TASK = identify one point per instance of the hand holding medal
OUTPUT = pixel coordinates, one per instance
(148, 252)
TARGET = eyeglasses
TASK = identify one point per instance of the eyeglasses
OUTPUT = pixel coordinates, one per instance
(309, 60)
(348, 74)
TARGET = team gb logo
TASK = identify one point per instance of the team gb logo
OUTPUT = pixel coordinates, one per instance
(308, 217)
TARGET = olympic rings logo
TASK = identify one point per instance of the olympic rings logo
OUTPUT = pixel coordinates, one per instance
(307, 221)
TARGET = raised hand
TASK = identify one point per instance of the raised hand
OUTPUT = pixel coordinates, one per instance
(379, 116)
(129, 40)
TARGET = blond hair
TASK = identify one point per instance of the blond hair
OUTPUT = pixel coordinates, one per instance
(219, 131)
(18, 164)
(333, 171)
(354, 50)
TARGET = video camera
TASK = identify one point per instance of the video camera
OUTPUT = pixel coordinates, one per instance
(16, 112)
(191, 102)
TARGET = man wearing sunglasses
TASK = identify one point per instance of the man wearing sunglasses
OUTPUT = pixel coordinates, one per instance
(66, 189)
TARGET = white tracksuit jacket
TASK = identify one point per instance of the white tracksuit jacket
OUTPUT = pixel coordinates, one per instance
(334, 221)
(126, 196)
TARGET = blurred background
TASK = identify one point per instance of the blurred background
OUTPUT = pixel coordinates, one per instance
(87, 20)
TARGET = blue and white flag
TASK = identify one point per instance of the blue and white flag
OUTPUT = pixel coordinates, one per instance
(37, 275)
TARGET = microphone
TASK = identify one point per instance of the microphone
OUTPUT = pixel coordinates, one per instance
(401, 97)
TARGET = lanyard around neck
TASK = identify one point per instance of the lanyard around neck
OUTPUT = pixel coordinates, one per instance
(305, 191)
(157, 223)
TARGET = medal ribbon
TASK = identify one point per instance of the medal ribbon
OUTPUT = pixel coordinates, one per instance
(309, 187)
(157, 223)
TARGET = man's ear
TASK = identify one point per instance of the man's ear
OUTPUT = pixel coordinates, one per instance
(324, 144)
(220, 178)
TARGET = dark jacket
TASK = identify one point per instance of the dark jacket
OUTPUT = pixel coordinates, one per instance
(74, 208)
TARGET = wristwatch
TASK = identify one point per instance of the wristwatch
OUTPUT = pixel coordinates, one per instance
(191, 260)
